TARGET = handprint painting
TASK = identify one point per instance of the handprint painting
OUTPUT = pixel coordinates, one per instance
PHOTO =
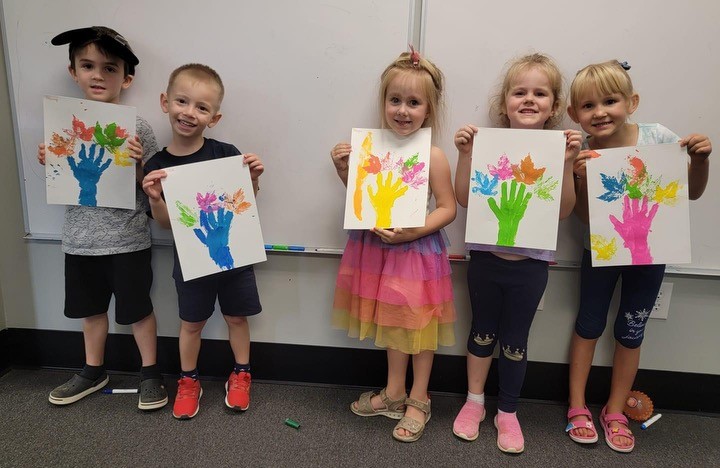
(639, 208)
(213, 216)
(86, 159)
(515, 184)
(387, 179)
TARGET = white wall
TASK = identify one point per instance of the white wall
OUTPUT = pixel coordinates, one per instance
(296, 292)
(15, 283)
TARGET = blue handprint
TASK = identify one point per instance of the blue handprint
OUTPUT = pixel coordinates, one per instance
(486, 185)
(215, 236)
(88, 173)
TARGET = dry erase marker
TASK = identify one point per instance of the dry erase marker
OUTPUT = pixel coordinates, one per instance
(456, 257)
(296, 248)
(116, 391)
(292, 423)
(650, 421)
(328, 251)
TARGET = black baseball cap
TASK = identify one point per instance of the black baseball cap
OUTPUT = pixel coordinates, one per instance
(111, 41)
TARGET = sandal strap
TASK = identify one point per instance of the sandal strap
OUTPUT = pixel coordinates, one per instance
(584, 411)
(410, 424)
(392, 405)
(619, 417)
(422, 406)
(619, 431)
(363, 404)
(580, 425)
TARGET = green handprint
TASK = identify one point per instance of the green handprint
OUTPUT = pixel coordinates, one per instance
(384, 199)
(187, 216)
(510, 212)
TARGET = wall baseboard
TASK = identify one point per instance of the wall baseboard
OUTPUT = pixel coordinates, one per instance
(348, 367)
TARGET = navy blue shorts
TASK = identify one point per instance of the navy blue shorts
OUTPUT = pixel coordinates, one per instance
(640, 287)
(235, 290)
(90, 282)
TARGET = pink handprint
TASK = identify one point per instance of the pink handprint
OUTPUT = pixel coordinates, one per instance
(635, 227)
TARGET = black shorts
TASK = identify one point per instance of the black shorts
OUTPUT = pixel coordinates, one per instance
(235, 290)
(90, 281)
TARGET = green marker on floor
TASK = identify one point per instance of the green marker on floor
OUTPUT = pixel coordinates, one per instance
(292, 423)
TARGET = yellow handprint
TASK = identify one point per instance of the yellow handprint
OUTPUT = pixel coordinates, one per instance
(603, 249)
(384, 199)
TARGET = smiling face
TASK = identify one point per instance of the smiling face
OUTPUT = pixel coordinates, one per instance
(530, 102)
(193, 104)
(406, 106)
(100, 77)
(603, 115)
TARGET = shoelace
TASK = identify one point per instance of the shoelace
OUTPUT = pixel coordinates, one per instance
(187, 390)
(240, 382)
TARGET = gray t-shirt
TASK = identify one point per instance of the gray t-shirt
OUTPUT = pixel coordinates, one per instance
(90, 230)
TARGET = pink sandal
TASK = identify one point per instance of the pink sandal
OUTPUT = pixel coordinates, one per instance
(572, 425)
(610, 432)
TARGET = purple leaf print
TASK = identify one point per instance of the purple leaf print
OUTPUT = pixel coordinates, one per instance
(208, 203)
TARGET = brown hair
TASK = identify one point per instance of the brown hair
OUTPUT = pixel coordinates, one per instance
(432, 83)
(200, 71)
(498, 103)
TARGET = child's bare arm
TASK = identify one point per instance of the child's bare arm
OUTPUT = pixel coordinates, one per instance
(699, 148)
(152, 185)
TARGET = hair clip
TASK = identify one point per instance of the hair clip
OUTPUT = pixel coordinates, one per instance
(414, 55)
(625, 65)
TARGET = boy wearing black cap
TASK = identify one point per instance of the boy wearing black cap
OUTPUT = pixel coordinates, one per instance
(107, 250)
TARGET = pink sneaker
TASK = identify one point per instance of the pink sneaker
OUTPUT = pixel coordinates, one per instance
(510, 438)
(467, 422)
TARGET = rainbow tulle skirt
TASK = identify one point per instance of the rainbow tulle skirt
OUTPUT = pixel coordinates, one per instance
(400, 294)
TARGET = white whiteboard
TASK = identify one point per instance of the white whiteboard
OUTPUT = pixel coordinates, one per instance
(298, 77)
(673, 48)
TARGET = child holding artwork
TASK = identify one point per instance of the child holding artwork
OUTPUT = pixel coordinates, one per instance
(394, 284)
(507, 283)
(192, 101)
(107, 250)
(601, 101)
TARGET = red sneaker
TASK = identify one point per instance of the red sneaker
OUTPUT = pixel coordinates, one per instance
(187, 400)
(237, 391)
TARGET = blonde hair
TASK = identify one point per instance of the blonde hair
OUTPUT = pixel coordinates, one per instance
(200, 71)
(498, 103)
(432, 82)
(604, 78)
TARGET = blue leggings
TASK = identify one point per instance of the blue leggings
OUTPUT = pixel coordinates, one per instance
(640, 287)
(504, 295)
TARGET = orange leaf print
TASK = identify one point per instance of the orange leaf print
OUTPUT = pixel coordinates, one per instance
(237, 203)
(525, 172)
(62, 146)
(80, 130)
(373, 166)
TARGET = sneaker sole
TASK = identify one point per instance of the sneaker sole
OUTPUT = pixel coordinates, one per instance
(477, 433)
(152, 405)
(79, 396)
(183, 417)
(503, 449)
(227, 403)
